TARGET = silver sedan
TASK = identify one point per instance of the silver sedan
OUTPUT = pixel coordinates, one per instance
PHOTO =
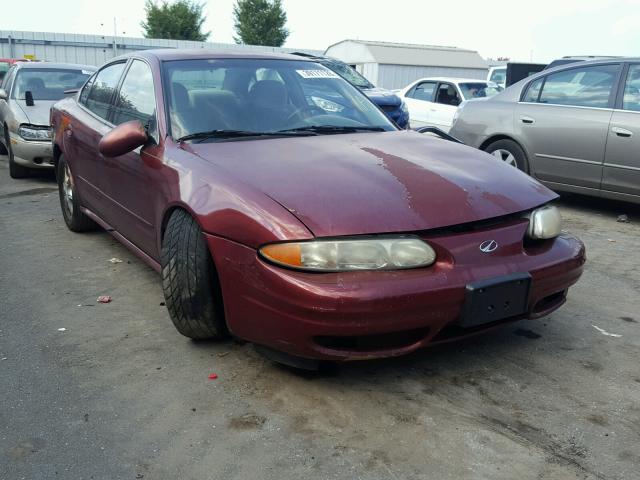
(28, 91)
(575, 128)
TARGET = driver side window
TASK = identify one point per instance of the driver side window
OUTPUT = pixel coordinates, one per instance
(136, 98)
(448, 95)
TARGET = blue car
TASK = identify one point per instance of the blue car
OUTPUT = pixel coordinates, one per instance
(390, 103)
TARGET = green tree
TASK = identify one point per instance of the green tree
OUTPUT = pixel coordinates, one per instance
(178, 20)
(260, 22)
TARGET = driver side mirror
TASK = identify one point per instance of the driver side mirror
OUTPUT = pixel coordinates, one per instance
(123, 139)
(3, 94)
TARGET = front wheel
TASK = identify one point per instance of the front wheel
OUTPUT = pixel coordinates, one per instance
(189, 280)
(76, 220)
(510, 153)
(15, 170)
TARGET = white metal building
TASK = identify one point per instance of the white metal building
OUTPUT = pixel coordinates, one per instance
(395, 65)
(97, 49)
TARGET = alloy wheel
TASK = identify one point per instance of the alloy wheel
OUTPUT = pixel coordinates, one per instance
(506, 156)
(67, 190)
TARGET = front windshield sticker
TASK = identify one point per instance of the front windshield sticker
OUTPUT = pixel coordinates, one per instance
(317, 74)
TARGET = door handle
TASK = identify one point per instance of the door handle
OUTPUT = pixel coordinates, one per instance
(622, 132)
(527, 120)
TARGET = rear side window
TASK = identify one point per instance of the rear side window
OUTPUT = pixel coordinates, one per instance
(533, 92)
(631, 99)
(104, 85)
(580, 87)
(136, 99)
(423, 91)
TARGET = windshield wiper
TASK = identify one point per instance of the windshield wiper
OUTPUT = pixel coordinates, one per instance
(329, 129)
(238, 134)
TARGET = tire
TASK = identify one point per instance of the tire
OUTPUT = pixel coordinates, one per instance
(69, 202)
(190, 281)
(509, 152)
(15, 170)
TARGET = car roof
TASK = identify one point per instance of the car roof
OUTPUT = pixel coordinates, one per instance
(452, 80)
(168, 54)
(581, 64)
(46, 65)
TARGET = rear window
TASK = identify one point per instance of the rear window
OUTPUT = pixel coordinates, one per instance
(48, 83)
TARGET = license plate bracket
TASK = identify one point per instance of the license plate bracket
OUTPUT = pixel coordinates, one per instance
(495, 299)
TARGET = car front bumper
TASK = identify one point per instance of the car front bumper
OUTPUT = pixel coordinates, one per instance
(373, 314)
(31, 154)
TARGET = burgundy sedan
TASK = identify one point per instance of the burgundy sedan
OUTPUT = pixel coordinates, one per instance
(280, 205)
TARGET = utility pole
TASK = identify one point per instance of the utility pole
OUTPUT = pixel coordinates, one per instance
(115, 38)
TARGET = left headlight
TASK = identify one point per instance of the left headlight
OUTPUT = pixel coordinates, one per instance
(544, 223)
(30, 132)
(349, 255)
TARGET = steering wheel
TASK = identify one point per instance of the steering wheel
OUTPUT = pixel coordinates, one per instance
(310, 111)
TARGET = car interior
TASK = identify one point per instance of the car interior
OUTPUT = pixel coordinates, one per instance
(447, 95)
(247, 99)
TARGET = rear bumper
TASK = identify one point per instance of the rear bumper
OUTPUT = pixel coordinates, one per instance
(362, 315)
(32, 154)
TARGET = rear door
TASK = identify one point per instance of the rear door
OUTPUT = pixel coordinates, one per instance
(562, 121)
(82, 134)
(445, 106)
(622, 161)
(419, 100)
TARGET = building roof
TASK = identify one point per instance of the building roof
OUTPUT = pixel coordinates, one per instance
(411, 54)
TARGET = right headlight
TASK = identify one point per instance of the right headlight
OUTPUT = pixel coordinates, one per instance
(351, 254)
(544, 223)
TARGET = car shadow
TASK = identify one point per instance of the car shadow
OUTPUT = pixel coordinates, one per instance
(602, 206)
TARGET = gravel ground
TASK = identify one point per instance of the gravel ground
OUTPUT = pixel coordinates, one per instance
(120, 395)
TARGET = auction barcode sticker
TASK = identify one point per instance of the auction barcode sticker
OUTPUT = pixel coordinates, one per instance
(317, 74)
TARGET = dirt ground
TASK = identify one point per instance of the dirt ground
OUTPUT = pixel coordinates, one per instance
(119, 394)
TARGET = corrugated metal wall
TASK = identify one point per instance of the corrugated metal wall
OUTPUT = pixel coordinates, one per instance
(399, 76)
(97, 49)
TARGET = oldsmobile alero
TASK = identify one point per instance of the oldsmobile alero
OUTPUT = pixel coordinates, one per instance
(280, 205)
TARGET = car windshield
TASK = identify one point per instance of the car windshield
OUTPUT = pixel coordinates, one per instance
(479, 90)
(349, 74)
(48, 83)
(237, 97)
(499, 75)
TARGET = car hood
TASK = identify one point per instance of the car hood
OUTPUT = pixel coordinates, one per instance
(377, 182)
(38, 114)
(380, 96)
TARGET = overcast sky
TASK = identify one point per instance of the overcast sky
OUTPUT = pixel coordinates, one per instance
(533, 29)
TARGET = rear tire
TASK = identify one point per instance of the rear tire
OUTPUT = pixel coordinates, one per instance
(509, 152)
(189, 280)
(69, 202)
(15, 170)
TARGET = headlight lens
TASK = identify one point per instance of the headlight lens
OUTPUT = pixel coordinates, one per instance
(348, 255)
(41, 134)
(544, 223)
(403, 107)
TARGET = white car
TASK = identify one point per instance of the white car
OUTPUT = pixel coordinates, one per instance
(434, 101)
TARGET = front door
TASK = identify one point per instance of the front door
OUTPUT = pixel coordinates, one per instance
(563, 120)
(129, 181)
(445, 106)
(622, 160)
